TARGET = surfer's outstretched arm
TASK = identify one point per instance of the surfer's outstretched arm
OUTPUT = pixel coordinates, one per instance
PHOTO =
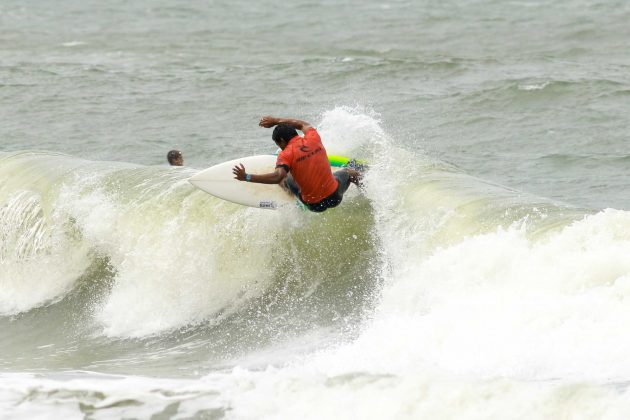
(274, 177)
(270, 121)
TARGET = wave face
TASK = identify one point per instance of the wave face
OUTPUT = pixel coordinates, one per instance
(429, 280)
(162, 254)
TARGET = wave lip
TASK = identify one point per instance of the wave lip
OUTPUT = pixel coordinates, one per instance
(40, 259)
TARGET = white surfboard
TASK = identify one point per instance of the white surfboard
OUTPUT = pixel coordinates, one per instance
(219, 181)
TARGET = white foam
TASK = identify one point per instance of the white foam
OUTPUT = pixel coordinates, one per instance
(73, 43)
(533, 86)
(349, 130)
(175, 263)
(40, 259)
(499, 325)
(502, 304)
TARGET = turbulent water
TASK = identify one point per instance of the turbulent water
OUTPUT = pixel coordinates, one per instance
(482, 273)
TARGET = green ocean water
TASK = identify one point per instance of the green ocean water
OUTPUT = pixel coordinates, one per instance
(482, 272)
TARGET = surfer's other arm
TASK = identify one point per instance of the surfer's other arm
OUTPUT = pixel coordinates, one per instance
(270, 121)
(274, 177)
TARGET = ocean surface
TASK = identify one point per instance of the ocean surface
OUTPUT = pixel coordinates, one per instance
(482, 273)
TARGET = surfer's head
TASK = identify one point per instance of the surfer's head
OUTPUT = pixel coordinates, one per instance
(175, 158)
(282, 134)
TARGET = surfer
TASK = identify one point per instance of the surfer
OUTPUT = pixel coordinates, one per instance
(175, 158)
(302, 166)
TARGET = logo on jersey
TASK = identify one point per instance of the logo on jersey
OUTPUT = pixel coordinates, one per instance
(301, 158)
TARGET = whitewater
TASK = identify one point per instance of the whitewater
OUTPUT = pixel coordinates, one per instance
(430, 289)
(481, 273)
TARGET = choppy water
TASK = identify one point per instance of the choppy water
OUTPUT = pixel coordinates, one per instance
(482, 274)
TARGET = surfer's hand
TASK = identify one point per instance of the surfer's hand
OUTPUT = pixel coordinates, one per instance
(239, 172)
(268, 121)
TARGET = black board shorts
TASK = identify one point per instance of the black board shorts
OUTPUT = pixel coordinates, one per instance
(333, 200)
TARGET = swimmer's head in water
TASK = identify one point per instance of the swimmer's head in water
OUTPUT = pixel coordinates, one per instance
(175, 158)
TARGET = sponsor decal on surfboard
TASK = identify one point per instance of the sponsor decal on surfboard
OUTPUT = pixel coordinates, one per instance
(267, 205)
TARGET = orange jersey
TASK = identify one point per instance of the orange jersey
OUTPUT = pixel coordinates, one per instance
(306, 159)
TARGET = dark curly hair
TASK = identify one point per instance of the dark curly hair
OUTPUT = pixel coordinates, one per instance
(283, 132)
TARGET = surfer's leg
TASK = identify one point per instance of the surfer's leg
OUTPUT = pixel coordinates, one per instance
(290, 183)
(344, 178)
